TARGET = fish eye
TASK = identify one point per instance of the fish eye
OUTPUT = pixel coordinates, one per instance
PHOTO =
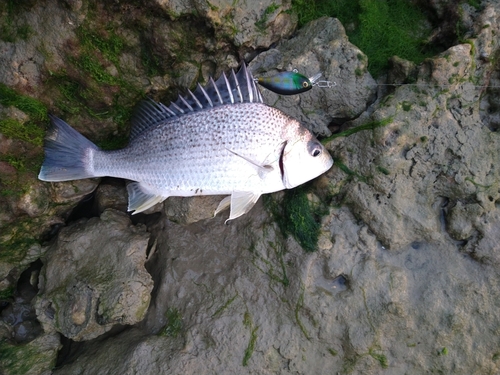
(314, 148)
(305, 84)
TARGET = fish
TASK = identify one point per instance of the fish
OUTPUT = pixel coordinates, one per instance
(221, 139)
(286, 83)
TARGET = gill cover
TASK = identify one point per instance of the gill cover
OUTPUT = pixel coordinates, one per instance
(303, 160)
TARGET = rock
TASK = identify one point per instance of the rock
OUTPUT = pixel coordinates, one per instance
(242, 295)
(94, 277)
(462, 219)
(31, 215)
(484, 248)
(111, 195)
(249, 25)
(320, 47)
(19, 249)
(35, 201)
(72, 191)
(20, 318)
(400, 70)
(190, 210)
(22, 63)
(34, 358)
(427, 142)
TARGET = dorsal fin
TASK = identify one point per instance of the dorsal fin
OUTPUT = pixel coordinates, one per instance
(239, 87)
(236, 88)
(148, 114)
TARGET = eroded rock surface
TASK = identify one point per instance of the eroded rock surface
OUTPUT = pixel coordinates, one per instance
(431, 149)
(245, 300)
(94, 277)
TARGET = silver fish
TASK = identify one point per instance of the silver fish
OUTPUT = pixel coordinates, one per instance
(221, 139)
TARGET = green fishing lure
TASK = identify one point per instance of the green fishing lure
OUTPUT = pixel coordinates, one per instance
(286, 83)
(291, 83)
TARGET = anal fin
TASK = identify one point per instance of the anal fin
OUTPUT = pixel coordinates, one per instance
(140, 199)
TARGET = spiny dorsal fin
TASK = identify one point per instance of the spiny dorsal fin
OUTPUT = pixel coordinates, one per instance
(148, 114)
(237, 88)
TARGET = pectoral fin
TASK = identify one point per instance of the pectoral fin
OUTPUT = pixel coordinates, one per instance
(263, 167)
(241, 203)
(140, 199)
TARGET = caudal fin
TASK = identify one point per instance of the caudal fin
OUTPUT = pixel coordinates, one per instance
(68, 154)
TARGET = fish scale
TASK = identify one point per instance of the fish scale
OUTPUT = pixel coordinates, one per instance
(221, 139)
(210, 164)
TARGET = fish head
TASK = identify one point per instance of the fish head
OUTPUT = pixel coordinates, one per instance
(303, 158)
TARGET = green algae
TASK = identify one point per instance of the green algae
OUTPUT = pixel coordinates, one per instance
(372, 125)
(33, 107)
(174, 324)
(261, 23)
(442, 351)
(7, 293)
(26, 165)
(298, 306)
(351, 173)
(248, 323)
(406, 106)
(224, 306)
(297, 216)
(15, 241)
(10, 30)
(94, 76)
(27, 132)
(381, 28)
(268, 267)
(110, 45)
(383, 170)
(251, 346)
(151, 61)
(381, 358)
(95, 69)
(24, 359)
(247, 319)
(350, 363)
(113, 142)
(333, 352)
(477, 185)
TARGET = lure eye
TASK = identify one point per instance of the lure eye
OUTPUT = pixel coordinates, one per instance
(314, 148)
(305, 84)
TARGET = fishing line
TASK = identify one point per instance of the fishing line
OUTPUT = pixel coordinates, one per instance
(430, 85)
(292, 82)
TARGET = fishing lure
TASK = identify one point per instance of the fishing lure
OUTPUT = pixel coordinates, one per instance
(286, 83)
(291, 83)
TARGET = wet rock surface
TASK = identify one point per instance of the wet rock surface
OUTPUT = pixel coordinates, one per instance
(434, 145)
(404, 278)
(94, 278)
(243, 299)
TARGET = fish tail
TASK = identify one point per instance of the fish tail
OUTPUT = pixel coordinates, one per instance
(68, 154)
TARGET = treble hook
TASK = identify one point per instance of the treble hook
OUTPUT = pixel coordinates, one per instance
(323, 84)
